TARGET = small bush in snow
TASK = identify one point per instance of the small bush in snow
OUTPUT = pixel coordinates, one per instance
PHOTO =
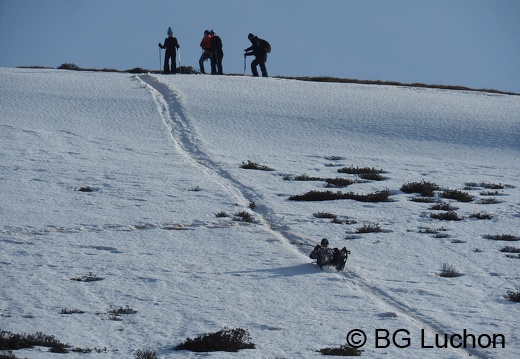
(479, 215)
(71, 311)
(359, 170)
(339, 182)
(449, 271)
(254, 166)
(456, 195)
(509, 249)
(447, 216)
(344, 351)
(145, 354)
(424, 188)
(87, 278)
(228, 340)
(502, 237)
(513, 296)
(370, 228)
(490, 200)
(325, 215)
(222, 214)
(443, 206)
(244, 217)
(122, 311)
(67, 66)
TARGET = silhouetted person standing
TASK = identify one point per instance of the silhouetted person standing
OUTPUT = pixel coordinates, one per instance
(259, 49)
(171, 45)
(217, 54)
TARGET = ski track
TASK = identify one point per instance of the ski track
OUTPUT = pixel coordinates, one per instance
(186, 141)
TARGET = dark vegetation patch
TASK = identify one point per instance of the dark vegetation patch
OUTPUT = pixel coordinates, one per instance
(513, 296)
(447, 216)
(509, 249)
(244, 217)
(91, 277)
(479, 215)
(502, 237)
(424, 188)
(11, 341)
(443, 206)
(473, 186)
(366, 173)
(249, 165)
(370, 228)
(449, 271)
(228, 340)
(457, 195)
(342, 351)
(378, 196)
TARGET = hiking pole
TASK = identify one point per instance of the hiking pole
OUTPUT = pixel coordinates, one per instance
(179, 55)
(244, 65)
(160, 60)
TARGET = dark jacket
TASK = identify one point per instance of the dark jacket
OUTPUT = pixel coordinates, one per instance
(216, 44)
(256, 48)
(170, 44)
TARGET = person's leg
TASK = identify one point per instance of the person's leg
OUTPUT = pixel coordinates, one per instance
(201, 63)
(166, 64)
(254, 71)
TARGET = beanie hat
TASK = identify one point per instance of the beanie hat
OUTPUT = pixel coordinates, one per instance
(170, 32)
(250, 36)
(324, 242)
(206, 32)
(212, 32)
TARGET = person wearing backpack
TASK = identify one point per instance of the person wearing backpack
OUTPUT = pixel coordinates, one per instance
(217, 54)
(171, 45)
(259, 49)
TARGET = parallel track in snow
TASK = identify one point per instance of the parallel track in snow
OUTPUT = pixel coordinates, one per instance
(189, 144)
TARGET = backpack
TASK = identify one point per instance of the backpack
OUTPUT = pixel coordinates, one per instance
(265, 45)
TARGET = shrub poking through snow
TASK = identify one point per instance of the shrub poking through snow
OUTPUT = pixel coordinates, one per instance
(509, 249)
(339, 182)
(370, 228)
(456, 195)
(145, 354)
(342, 351)
(478, 215)
(11, 341)
(228, 340)
(87, 278)
(443, 206)
(424, 188)
(244, 217)
(447, 216)
(513, 296)
(122, 311)
(255, 166)
(379, 196)
(449, 271)
(325, 215)
(502, 237)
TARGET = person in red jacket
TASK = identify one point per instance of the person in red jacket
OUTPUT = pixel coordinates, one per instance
(171, 45)
(206, 50)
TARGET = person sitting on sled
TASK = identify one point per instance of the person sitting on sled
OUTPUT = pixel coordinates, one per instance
(328, 256)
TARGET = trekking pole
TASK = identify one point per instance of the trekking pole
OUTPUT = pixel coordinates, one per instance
(179, 55)
(160, 60)
(244, 65)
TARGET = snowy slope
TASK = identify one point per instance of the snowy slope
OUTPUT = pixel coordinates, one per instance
(163, 156)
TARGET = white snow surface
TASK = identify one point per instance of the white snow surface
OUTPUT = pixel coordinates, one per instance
(163, 155)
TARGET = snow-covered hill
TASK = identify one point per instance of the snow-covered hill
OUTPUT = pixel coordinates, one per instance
(162, 156)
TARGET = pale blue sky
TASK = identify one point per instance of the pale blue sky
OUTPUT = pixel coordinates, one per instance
(474, 43)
